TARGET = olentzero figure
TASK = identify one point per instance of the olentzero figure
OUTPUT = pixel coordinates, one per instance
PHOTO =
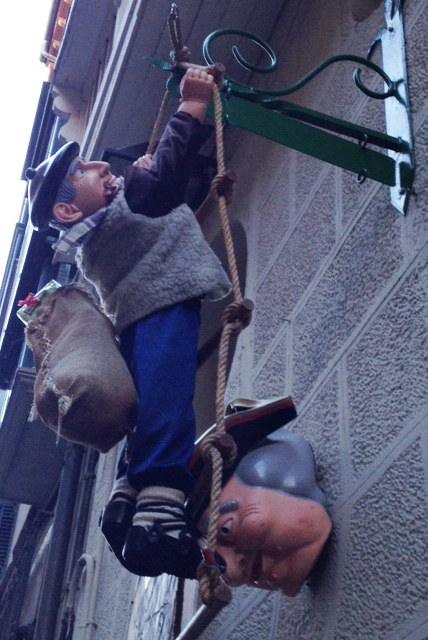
(144, 252)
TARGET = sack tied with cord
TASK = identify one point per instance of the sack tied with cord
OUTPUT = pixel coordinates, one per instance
(83, 389)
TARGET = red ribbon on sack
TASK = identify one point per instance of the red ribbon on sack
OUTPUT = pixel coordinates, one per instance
(30, 301)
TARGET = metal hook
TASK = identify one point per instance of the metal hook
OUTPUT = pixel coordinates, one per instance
(362, 176)
(364, 141)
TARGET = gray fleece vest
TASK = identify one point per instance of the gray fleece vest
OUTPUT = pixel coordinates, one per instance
(139, 265)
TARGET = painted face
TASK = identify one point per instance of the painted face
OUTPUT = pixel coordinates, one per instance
(94, 184)
(269, 539)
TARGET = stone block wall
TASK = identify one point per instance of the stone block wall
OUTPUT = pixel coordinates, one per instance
(340, 283)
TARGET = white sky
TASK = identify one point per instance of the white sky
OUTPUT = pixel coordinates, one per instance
(22, 29)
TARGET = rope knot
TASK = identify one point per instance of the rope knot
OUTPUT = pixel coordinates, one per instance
(181, 55)
(237, 315)
(223, 185)
(221, 442)
(213, 591)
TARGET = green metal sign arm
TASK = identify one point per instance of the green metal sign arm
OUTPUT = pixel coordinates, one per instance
(308, 131)
(311, 140)
(320, 135)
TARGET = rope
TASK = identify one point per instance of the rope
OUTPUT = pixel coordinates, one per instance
(181, 54)
(221, 199)
(158, 123)
(220, 449)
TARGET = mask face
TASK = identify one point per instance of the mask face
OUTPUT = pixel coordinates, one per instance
(269, 540)
(94, 183)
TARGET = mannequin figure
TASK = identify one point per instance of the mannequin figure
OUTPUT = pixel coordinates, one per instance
(273, 521)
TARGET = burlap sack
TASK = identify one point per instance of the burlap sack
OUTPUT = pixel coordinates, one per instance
(83, 388)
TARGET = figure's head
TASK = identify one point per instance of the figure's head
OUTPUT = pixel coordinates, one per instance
(273, 523)
(65, 189)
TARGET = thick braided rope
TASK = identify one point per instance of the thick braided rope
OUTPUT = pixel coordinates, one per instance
(181, 54)
(158, 124)
(209, 579)
(212, 589)
(222, 206)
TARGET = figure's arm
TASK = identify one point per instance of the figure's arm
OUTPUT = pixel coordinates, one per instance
(157, 190)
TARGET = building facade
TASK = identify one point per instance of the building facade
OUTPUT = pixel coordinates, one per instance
(339, 279)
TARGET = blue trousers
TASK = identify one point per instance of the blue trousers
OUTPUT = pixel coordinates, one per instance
(161, 353)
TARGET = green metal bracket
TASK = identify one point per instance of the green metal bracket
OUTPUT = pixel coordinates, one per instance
(338, 142)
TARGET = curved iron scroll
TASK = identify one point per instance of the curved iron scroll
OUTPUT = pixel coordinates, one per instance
(328, 138)
(259, 95)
